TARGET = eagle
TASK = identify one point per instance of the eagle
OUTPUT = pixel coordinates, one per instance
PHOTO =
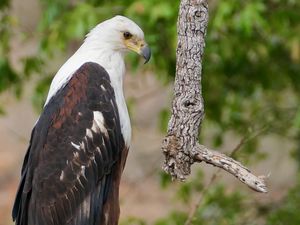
(78, 146)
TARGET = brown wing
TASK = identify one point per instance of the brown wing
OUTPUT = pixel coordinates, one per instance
(72, 169)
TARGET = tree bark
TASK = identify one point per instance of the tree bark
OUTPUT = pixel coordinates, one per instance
(180, 146)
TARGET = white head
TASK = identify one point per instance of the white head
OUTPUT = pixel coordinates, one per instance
(119, 34)
(116, 35)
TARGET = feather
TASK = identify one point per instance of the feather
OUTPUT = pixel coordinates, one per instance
(72, 174)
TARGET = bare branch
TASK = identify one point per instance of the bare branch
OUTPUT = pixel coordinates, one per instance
(202, 153)
(214, 177)
(180, 146)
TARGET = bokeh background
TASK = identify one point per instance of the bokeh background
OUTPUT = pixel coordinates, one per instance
(251, 87)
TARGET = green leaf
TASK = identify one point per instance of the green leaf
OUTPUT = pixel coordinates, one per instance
(32, 65)
(9, 76)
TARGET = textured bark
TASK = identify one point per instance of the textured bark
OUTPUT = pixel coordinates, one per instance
(180, 146)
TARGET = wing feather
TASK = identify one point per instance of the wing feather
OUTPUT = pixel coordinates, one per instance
(73, 163)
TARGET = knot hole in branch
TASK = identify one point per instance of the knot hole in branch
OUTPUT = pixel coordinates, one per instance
(193, 106)
(198, 13)
(188, 103)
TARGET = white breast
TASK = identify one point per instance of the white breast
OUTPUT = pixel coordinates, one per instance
(117, 82)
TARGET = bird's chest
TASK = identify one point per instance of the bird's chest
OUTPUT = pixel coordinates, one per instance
(116, 70)
(117, 84)
(124, 117)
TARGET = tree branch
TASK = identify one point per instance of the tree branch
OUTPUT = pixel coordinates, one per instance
(180, 146)
(202, 153)
(199, 199)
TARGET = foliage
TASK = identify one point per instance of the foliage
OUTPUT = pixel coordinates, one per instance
(175, 218)
(216, 205)
(252, 63)
(132, 221)
(251, 81)
(9, 77)
(287, 213)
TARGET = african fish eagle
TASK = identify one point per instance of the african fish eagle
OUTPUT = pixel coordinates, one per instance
(78, 147)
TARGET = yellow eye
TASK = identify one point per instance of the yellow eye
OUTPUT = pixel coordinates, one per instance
(127, 35)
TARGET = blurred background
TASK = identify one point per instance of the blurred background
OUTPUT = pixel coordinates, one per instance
(251, 87)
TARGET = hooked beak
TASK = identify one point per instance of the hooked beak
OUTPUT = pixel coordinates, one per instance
(146, 53)
(140, 47)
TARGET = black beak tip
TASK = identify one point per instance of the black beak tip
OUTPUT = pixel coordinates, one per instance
(146, 52)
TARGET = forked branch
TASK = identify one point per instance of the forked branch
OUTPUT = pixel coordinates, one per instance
(180, 146)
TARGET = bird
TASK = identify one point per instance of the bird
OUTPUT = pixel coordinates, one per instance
(78, 147)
